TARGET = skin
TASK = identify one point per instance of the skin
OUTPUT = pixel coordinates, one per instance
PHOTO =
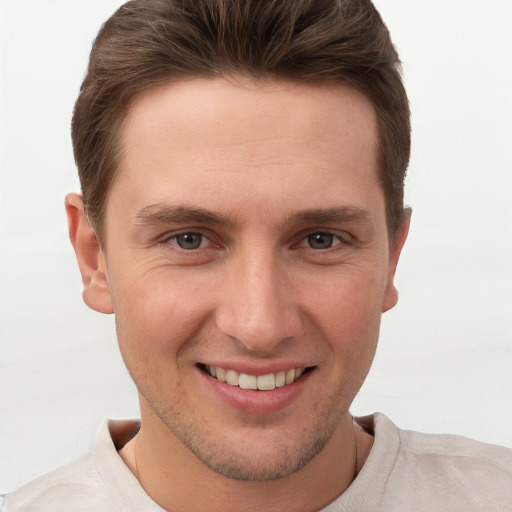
(273, 164)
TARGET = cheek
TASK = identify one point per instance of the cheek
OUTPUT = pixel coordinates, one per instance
(153, 330)
(349, 314)
(349, 298)
(156, 313)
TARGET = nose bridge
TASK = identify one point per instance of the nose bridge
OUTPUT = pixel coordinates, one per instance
(258, 308)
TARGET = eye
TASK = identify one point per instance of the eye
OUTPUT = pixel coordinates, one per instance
(189, 241)
(321, 241)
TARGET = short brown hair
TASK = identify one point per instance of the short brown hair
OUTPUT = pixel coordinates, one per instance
(148, 43)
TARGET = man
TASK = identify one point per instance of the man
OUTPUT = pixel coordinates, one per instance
(242, 167)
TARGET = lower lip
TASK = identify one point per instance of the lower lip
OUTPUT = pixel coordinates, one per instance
(257, 402)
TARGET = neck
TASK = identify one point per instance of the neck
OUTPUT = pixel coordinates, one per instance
(179, 482)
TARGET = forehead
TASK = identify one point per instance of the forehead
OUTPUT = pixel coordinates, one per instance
(269, 141)
(221, 111)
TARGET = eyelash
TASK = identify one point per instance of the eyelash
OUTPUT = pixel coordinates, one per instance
(322, 234)
(172, 239)
(336, 241)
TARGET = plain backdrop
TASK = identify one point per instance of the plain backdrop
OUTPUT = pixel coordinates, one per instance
(444, 362)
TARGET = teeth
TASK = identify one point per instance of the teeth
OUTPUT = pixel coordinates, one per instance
(290, 376)
(267, 382)
(221, 374)
(263, 382)
(232, 378)
(280, 379)
(247, 381)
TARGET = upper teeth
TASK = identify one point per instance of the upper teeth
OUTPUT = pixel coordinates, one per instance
(261, 382)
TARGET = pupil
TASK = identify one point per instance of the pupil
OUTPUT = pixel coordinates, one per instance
(189, 241)
(320, 240)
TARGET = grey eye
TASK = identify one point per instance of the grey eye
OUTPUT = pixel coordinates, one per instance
(189, 241)
(321, 240)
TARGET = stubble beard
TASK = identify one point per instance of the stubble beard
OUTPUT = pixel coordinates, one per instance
(275, 461)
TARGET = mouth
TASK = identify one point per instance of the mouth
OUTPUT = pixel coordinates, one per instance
(266, 382)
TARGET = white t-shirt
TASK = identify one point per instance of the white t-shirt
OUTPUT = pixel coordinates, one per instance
(405, 471)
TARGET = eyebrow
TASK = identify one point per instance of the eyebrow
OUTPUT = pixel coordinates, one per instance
(341, 214)
(162, 214)
(157, 214)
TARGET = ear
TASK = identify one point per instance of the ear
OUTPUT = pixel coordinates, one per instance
(391, 293)
(89, 255)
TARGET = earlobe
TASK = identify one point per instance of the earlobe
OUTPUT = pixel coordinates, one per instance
(391, 293)
(89, 255)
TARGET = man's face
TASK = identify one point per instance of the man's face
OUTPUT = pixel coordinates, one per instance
(246, 235)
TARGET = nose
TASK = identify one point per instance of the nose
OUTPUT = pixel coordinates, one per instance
(258, 307)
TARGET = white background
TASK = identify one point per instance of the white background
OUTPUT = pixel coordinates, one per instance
(445, 358)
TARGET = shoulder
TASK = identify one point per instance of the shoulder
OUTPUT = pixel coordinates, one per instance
(448, 471)
(74, 487)
(448, 453)
(97, 481)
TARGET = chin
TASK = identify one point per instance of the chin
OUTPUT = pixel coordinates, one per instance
(258, 454)
(263, 466)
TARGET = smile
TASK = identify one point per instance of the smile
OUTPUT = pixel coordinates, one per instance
(261, 382)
